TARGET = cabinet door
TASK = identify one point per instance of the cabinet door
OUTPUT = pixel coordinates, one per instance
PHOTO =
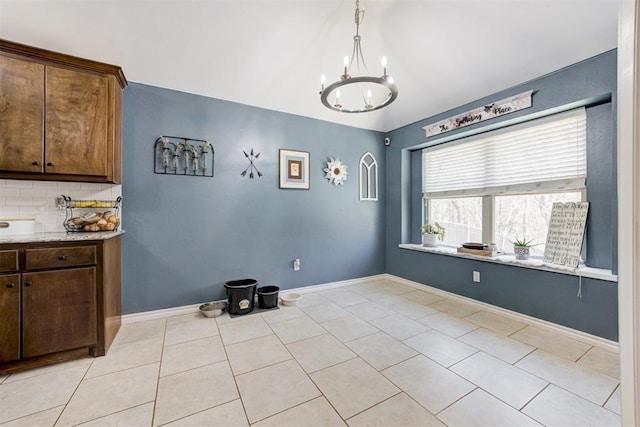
(21, 110)
(58, 310)
(9, 317)
(76, 134)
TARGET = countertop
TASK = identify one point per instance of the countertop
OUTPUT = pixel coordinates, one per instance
(60, 237)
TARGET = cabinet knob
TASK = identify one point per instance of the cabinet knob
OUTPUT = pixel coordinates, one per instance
(62, 257)
(49, 164)
(27, 283)
(34, 163)
(11, 285)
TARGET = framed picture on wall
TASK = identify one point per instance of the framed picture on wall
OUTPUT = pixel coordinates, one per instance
(294, 169)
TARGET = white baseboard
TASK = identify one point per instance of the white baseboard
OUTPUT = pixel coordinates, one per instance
(340, 284)
(193, 308)
(159, 314)
(543, 324)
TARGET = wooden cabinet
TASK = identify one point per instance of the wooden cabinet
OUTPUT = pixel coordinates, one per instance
(61, 116)
(60, 304)
(58, 301)
(9, 317)
(22, 107)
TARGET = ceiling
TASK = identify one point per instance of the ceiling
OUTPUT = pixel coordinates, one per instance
(270, 54)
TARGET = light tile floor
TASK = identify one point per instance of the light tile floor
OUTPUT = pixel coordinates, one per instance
(377, 353)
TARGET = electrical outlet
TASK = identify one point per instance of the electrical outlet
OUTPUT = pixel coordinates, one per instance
(476, 276)
(296, 264)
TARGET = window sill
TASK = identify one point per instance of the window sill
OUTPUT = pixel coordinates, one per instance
(536, 264)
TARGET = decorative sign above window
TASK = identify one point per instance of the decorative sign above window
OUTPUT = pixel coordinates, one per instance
(489, 111)
(566, 233)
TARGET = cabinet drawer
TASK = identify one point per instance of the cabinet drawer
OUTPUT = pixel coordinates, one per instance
(8, 261)
(36, 259)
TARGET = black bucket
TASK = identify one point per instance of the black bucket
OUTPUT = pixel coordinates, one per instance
(240, 294)
(268, 296)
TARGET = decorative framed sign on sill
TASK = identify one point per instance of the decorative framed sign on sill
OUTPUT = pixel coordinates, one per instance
(566, 233)
(294, 169)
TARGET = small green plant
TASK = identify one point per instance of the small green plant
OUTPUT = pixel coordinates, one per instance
(523, 243)
(436, 229)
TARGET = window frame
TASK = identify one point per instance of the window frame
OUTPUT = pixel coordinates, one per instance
(489, 208)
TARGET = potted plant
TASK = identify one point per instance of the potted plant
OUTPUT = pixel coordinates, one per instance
(522, 248)
(431, 233)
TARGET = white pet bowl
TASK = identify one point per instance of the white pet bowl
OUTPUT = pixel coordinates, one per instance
(290, 298)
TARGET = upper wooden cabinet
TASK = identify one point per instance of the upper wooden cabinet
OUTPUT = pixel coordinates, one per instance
(60, 116)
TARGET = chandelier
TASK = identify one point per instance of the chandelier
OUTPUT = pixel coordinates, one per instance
(358, 94)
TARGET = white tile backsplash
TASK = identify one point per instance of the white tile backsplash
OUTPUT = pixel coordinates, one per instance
(10, 192)
(9, 183)
(37, 199)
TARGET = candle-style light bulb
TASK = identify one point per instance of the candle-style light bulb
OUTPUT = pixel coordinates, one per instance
(369, 98)
(346, 64)
(384, 65)
(338, 96)
(322, 80)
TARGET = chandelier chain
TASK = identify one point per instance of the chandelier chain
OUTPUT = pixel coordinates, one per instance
(357, 53)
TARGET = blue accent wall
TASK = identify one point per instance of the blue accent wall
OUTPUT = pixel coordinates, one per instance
(548, 296)
(187, 236)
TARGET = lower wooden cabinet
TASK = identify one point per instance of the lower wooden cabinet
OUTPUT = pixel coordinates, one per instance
(60, 304)
(58, 301)
(9, 317)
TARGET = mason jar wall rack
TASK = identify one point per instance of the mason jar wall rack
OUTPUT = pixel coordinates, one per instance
(177, 155)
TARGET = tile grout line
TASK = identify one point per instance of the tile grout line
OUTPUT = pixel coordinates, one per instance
(34, 413)
(536, 395)
(155, 398)
(301, 368)
(75, 390)
(122, 370)
(400, 391)
(583, 354)
(233, 375)
(610, 396)
(112, 413)
(563, 388)
(456, 401)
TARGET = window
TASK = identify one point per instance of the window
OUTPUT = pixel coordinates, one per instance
(500, 185)
(527, 215)
(461, 216)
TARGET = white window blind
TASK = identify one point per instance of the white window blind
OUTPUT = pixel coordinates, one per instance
(544, 154)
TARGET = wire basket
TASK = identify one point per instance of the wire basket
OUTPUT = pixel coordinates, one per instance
(91, 221)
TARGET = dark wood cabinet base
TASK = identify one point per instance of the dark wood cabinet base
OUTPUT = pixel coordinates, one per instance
(61, 300)
(49, 359)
